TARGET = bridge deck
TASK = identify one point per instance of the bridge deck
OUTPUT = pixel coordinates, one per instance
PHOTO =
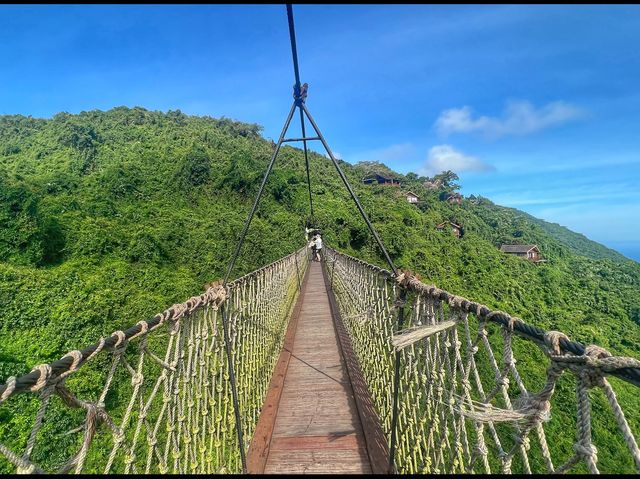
(317, 428)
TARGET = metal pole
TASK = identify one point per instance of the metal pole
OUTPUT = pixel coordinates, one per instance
(402, 296)
(306, 159)
(290, 140)
(234, 391)
(353, 195)
(257, 200)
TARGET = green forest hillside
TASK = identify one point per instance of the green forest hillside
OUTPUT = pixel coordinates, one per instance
(107, 218)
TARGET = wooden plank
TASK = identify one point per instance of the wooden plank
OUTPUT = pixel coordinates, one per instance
(345, 461)
(316, 428)
(346, 441)
(259, 446)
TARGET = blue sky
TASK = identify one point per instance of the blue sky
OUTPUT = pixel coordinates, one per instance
(536, 107)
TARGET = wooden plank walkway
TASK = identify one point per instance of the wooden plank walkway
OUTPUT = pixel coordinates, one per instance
(310, 422)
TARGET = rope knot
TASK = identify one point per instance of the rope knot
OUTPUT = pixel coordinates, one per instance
(403, 278)
(300, 92)
(119, 437)
(552, 341)
(144, 327)
(455, 301)
(137, 379)
(593, 351)
(45, 374)
(592, 372)
(76, 358)
(10, 386)
(588, 450)
(121, 341)
(511, 322)
(502, 381)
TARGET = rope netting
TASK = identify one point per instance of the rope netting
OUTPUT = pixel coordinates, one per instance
(463, 404)
(157, 397)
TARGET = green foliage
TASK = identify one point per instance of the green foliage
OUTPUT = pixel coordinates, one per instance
(448, 179)
(107, 218)
(196, 166)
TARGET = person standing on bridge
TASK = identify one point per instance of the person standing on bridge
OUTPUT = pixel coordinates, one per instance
(318, 246)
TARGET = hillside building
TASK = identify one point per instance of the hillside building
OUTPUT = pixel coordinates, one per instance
(454, 198)
(412, 197)
(380, 179)
(453, 227)
(528, 251)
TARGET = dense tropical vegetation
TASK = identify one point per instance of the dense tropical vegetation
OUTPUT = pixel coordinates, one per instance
(109, 217)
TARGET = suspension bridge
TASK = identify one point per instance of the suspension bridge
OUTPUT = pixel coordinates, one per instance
(337, 366)
(304, 367)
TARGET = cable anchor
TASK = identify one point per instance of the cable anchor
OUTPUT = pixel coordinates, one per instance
(300, 93)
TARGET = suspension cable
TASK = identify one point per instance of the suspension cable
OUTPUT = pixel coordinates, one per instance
(294, 50)
(299, 96)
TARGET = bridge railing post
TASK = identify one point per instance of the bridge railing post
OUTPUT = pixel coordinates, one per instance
(333, 266)
(298, 272)
(401, 300)
(232, 381)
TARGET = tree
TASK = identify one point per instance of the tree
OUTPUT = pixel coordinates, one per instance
(447, 178)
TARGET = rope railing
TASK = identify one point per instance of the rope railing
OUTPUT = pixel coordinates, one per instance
(463, 404)
(155, 398)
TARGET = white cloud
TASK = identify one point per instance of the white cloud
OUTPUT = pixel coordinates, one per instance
(519, 118)
(445, 157)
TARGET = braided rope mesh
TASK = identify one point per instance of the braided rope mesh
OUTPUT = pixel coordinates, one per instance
(159, 401)
(464, 406)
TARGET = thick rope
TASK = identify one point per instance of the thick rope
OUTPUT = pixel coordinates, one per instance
(458, 411)
(173, 411)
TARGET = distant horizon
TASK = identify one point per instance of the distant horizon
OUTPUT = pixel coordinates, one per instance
(630, 250)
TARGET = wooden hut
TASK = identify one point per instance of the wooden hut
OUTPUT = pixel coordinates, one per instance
(455, 228)
(528, 251)
(380, 179)
(454, 198)
(412, 197)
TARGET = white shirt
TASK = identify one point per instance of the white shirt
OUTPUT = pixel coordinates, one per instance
(319, 243)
